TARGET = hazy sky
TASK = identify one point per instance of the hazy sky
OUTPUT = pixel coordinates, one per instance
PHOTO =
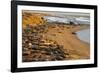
(61, 14)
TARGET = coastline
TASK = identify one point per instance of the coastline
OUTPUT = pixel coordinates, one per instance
(77, 49)
(52, 34)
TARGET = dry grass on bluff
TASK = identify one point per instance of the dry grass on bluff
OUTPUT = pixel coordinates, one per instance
(32, 19)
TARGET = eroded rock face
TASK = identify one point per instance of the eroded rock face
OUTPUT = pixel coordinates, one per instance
(38, 48)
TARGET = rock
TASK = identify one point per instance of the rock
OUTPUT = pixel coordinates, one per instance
(30, 45)
(25, 49)
(35, 47)
(73, 33)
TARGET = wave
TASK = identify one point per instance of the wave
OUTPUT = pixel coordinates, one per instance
(75, 20)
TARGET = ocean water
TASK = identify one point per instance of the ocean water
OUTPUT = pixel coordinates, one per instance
(84, 35)
(76, 20)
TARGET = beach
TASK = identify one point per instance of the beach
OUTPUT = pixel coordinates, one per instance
(71, 43)
(53, 36)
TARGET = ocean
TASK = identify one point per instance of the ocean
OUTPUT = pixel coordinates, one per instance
(84, 35)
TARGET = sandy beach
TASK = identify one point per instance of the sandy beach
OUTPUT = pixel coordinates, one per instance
(53, 33)
(76, 48)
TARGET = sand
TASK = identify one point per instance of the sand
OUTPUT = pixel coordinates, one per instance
(72, 45)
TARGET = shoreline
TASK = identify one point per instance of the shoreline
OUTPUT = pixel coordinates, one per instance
(68, 40)
(62, 35)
